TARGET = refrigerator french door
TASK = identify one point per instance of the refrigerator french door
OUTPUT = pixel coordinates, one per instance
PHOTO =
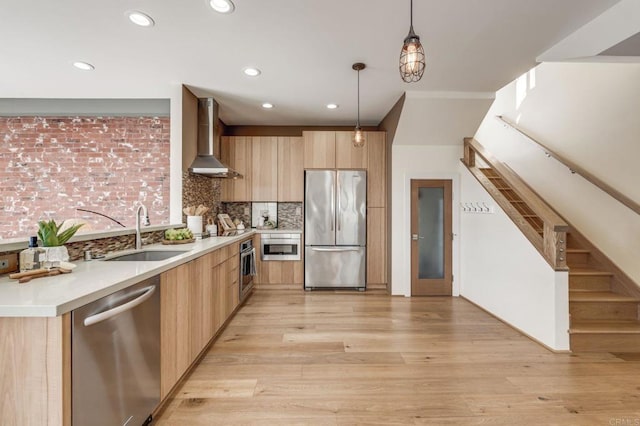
(335, 229)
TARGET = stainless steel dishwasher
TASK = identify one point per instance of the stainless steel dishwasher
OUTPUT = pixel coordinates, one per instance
(116, 357)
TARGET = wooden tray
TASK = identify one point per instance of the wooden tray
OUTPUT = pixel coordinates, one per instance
(173, 242)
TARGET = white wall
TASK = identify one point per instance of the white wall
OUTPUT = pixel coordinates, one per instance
(503, 273)
(428, 145)
(588, 113)
(175, 174)
(418, 162)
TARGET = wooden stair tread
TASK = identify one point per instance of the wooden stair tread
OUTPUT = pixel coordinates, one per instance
(576, 250)
(608, 327)
(599, 296)
(588, 272)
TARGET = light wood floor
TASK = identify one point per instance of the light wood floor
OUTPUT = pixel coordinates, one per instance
(338, 359)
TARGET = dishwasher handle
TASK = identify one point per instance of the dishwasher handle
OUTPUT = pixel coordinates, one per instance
(94, 319)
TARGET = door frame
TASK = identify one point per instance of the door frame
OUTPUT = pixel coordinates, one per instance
(432, 287)
(401, 230)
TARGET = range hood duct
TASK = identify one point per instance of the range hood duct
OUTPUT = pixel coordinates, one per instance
(206, 162)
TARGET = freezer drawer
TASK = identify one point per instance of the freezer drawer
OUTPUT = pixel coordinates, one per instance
(337, 267)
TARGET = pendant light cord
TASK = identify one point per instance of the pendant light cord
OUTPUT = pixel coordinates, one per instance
(411, 17)
(358, 122)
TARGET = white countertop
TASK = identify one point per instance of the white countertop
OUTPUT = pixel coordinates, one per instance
(89, 281)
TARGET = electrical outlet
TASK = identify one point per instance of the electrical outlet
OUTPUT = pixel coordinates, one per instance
(246, 211)
(298, 211)
(8, 263)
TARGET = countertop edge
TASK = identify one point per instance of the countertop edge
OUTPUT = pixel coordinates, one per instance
(196, 250)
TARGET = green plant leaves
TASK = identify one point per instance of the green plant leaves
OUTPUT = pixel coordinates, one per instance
(48, 233)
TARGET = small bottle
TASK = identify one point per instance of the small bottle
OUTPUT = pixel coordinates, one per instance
(30, 257)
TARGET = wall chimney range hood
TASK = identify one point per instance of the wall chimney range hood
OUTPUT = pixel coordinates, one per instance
(206, 162)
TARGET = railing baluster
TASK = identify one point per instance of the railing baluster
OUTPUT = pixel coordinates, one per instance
(552, 244)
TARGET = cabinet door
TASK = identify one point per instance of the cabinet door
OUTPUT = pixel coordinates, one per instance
(377, 169)
(219, 313)
(319, 150)
(290, 169)
(201, 304)
(264, 178)
(348, 156)
(175, 336)
(233, 288)
(236, 153)
(376, 246)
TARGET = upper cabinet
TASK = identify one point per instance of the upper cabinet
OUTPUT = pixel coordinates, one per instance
(236, 153)
(290, 169)
(264, 179)
(376, 168)
(347, 155)
(319, 150)
(271, 167)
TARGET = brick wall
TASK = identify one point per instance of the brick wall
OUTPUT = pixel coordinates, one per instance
(49, 166)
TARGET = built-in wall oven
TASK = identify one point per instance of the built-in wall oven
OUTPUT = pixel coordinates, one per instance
(280, 246)
(247, 267)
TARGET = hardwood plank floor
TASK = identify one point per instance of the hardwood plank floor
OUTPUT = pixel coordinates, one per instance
(291, 357)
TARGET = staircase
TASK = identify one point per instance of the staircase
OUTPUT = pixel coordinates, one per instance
(602, 317)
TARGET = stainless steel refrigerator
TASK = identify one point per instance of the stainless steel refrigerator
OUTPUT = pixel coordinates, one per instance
(335, 229)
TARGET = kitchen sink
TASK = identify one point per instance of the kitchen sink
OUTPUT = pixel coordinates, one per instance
(146, 256)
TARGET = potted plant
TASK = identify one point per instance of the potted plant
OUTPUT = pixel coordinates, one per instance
(53, 237)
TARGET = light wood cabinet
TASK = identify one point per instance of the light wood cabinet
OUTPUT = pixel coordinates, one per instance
(35, 371)
(196, 300)
(319, 150)
(264, 171)
(376, 246)
(348, 156)
(236, 153)
(278, 275)
(376, 169)
(290, 169)
(175, 335)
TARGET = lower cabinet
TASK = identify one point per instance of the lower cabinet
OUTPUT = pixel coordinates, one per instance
(196, 299)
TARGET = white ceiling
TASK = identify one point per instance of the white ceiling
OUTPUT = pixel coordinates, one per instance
(305, 49)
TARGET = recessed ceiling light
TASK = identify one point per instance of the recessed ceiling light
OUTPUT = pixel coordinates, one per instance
(251, 72)
(267, 105)
(222, 6)
(332, 106)
(84, 66)
(140, 18)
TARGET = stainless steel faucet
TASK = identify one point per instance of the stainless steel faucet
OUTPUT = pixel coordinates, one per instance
(145, 222)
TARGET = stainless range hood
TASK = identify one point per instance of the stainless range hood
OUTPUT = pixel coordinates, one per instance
(206, 162)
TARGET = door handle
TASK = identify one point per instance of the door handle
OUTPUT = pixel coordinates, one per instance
(94, 319)
(415, 237)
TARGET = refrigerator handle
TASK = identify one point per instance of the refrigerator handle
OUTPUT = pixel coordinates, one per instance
(339, 213)
(333, 207)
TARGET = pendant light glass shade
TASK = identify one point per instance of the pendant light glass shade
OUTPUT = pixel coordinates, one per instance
(358, 134)
(412, 59)
(358, 137)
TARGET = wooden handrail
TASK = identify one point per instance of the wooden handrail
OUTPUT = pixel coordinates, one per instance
(574, 168)
(552, 244)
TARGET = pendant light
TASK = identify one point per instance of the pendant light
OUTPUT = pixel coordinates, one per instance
(412, 61)
(358, 134)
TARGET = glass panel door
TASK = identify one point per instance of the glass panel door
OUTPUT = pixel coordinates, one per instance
(431, 231)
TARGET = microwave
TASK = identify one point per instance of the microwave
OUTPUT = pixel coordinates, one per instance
(280, 246)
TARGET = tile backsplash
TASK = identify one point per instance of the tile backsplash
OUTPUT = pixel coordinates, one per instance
(289, 215)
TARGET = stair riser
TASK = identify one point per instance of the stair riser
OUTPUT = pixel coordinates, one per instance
(574, 259)
(603, 310)
(589, 282)
(605, 342)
